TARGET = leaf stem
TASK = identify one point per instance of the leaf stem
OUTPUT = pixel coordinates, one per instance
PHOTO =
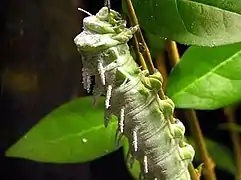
(193, 120)
(229, 113)
(145, 52)
(209, 165)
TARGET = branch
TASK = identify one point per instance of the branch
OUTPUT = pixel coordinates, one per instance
(161, 66)
(229, 113)
(193, 120)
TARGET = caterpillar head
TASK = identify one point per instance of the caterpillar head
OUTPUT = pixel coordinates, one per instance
(105, 22)
(102, 31)
(113, 17)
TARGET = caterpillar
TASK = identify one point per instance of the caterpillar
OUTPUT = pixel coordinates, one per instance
(132, 96)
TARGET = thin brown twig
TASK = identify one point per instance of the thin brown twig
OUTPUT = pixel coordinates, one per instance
(140, 57)
(173, 53)
(146, 53)
(161, 66)
(193, 120)
(229, 113)
(208, 171)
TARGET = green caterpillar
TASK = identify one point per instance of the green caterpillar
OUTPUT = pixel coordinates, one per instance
(132, 95)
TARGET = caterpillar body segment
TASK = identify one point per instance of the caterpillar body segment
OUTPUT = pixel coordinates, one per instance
(132, 95)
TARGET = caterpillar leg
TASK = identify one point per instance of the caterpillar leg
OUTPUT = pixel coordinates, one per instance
(130, 159)
(152, 82)
(178, 129)
(118, 137)
(167, 107)
(187, 152)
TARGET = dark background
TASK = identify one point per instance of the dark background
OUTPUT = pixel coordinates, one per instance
(40, 70)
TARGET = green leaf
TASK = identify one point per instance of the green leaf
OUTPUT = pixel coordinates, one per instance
(156, 44)
(207, 78)
(72, 133)
(196, 22)
(124, 7)
(221, 155)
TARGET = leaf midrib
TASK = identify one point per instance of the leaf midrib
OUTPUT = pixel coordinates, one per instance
(206, 74)
(80, 133)
(39, 144)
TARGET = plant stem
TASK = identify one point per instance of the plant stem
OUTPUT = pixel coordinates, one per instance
(209, 172)
(173, 53)
(141, 59)
(193, 173)
(229, 112)
(145, 53)
(193, 120)
(161, 66)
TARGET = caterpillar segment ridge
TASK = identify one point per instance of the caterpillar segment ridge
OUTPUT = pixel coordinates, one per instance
(132, 96)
